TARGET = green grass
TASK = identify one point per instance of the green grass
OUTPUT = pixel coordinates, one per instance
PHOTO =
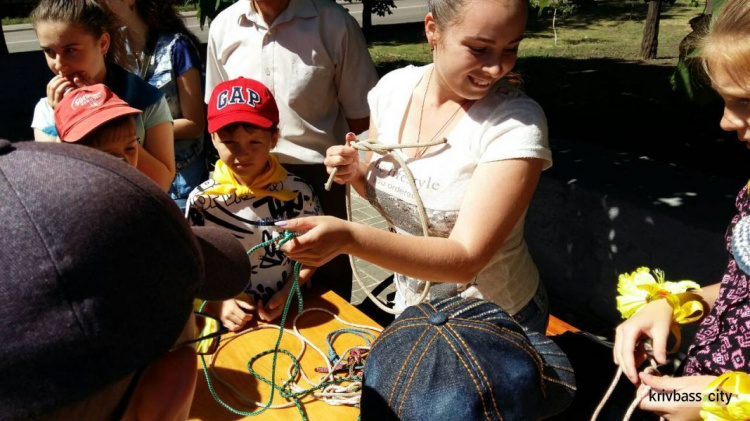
(610, 30)
(15, 21)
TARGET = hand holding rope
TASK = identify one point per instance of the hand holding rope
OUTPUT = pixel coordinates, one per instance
(373, 145)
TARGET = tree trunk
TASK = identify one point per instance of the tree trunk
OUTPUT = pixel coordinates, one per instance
(3, 45)
(366, 16)
(651, 31)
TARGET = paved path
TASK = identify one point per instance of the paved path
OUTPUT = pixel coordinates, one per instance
(371, 275)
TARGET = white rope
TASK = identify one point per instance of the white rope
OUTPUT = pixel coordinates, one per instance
(638, 398)
(373, 145)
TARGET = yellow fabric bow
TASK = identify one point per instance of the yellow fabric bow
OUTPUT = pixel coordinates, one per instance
(228, 184)
(738, 408)
(640, 287)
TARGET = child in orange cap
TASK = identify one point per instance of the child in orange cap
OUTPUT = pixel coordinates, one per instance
(248, 192)
(94, 116)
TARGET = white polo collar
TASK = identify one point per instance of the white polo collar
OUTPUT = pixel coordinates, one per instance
(295, 9)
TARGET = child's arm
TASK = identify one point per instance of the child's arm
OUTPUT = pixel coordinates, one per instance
(156, 156)
(235, 312)
(191, 104)
(275, 305)
(40, 136)
(652, 321)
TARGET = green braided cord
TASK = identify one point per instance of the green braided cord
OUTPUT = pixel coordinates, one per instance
(284, 389)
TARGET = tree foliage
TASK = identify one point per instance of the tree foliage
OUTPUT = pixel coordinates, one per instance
(558, 6)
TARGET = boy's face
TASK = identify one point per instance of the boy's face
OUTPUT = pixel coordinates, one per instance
(244, 149)
(118, 140)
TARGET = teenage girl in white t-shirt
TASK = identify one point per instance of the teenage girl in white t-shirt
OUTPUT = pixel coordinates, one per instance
(476, 188)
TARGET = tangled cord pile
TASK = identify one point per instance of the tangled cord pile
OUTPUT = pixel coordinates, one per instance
(331, 387)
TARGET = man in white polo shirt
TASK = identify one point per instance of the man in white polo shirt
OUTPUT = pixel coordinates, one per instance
(312, 56)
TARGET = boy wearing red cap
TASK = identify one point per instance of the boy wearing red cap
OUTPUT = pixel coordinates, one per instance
(249, 191)
(94, 116)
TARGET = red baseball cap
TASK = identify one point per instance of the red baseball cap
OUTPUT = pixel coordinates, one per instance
(84, 109)
(242, 100)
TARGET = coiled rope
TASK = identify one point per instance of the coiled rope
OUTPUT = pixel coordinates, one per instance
(373, 145)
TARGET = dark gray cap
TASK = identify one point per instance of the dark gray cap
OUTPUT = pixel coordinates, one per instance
(98, 273)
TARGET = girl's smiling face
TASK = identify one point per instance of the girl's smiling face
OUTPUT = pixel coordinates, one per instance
(479, 48)
(71, 51)
(736, 95)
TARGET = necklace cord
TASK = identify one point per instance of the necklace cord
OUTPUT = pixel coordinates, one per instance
(427, 146)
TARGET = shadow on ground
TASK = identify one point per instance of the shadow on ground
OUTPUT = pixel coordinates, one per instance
(631, 107)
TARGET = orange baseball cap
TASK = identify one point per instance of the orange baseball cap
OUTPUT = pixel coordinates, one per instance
(84, 109)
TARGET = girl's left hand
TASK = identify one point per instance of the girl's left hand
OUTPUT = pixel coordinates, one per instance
(326, 238)
(685, 386)
(57, 87)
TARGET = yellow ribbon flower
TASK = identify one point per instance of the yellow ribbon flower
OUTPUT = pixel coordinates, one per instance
(642, 286)
(738, 408)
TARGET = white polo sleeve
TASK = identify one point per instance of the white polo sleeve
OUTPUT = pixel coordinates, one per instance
(355, 73)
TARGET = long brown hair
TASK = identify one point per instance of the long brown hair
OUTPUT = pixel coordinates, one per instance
(160, 15)
(88, 15)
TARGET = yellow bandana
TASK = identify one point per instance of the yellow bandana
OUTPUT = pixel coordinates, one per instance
(228, 184)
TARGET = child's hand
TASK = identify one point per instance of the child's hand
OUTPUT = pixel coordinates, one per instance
(275, 305)
(673, 410)
(235, 313)
(345, 158)
(652, 321)
(57, 87)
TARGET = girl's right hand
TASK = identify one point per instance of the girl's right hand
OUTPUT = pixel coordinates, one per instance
(57, 87)
(653, 321)
(345, 158)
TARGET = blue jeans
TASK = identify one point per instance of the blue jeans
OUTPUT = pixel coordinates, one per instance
(535, 315)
